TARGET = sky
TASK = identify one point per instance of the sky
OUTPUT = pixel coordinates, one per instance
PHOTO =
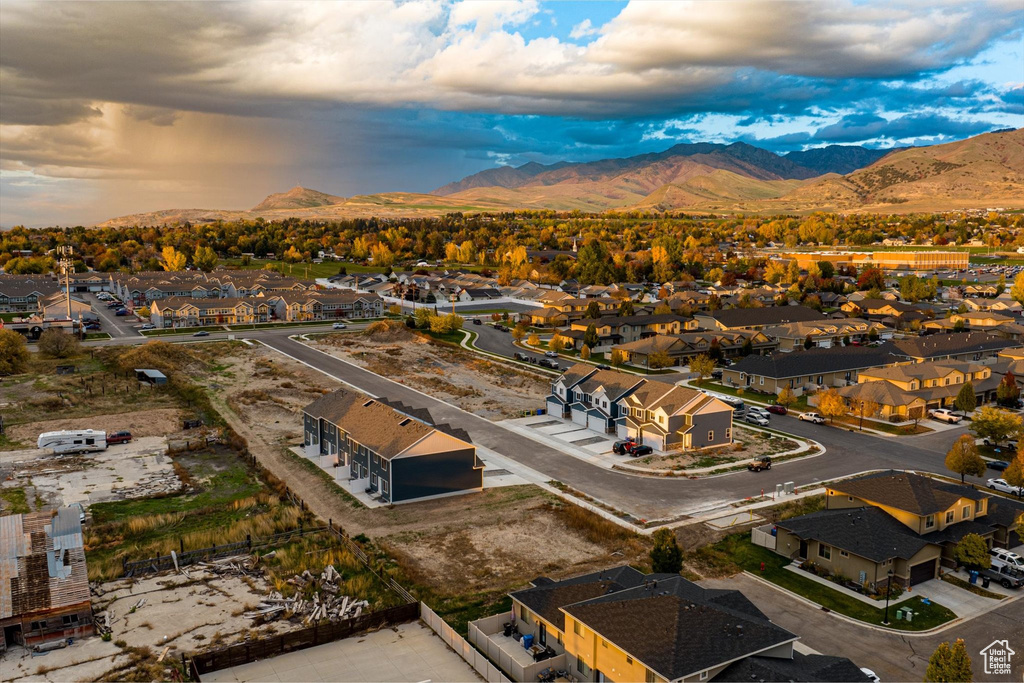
(115, 108)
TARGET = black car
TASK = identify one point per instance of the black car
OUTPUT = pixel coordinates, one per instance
(478, 321)
(717, 374)
(641, 450)
(602, 366)
(521, 356)
(622, 447)
(997, 465)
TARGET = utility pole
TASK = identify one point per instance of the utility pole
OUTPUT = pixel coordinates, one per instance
(66, 263)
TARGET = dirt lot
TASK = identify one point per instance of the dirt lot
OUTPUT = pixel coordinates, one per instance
(489, 541)
(748, 444)
(489, 389)
(154, 422)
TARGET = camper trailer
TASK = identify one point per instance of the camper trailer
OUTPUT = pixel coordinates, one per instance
(73, 441)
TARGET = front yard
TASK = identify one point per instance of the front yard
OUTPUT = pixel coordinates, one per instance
(748, 444)
(737, 552)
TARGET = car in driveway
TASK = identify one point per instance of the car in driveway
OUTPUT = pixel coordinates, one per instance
(1009, 444)
(1004, 486)
(123, 436)
(622, 447)
(1006, 576)
(756, 419)
(997, 465)
(638, 451)
(1002, 557)
(339, 326)
(777, 410)
(945, 415)
(201, 333)
(816, 418)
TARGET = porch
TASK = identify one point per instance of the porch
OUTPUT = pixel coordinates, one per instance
(341, 474)
(520, 664)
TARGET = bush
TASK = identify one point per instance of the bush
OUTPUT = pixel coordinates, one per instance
(13, 352)
(56, 343)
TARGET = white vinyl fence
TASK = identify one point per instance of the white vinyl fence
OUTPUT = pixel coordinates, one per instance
(473, 657)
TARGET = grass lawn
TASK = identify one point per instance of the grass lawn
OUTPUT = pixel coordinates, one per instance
(737, 550)
(895, 430)
(14, 501)
(96, 335)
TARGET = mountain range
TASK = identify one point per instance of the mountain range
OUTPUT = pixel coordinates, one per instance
(979, 172)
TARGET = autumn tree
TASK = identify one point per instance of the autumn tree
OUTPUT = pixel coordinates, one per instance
(585, 352)
(786, 397)
(533, 339)
(702, 366)
(972, 552)
(618, 358)
(171, 259)
(1014, 474)
(966, 400)
(995, 424)
(557, 343)
(659, 359)
(1017, 290)
(831, 404)
(963, 458)
(56, 343)
(14, 353)
(1007, 392)
(949, 664)
(518, 332)
(205, 259)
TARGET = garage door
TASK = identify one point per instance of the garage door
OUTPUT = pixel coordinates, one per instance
(621, 431)
(597, 423)
(554, 409)
(920, 573)
(579, 417)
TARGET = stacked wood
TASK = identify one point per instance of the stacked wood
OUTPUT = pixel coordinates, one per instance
(326, 603)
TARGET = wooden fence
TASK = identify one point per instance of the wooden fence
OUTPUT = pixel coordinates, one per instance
(263, 648)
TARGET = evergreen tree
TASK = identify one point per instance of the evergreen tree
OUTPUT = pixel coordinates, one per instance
(666, 556)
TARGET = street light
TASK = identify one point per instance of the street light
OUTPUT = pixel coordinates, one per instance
(888, 591)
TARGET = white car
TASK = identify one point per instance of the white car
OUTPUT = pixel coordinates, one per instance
(811, 417)
(1005, 487)
(756, 419)
(551, 354)
(1002, 557)
(944, 415)
(758, 410)
(148, 326)
(340, 326)
(872, 676)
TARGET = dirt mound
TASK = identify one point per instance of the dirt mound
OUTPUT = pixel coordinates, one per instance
(388, 331)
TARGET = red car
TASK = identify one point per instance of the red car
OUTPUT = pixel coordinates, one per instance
(777, 410)
(119, 437)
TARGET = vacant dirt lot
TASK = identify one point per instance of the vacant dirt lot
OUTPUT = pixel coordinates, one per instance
(491, 390)
(489, 541)
(155, 422)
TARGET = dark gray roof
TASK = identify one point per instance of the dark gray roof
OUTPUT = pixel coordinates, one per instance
(802, 668)
(1003, 511)
(868, 532)
(677, 628)
(546, 598)
(940, 345)
(815, 361)
(620, 320)
(768, 315)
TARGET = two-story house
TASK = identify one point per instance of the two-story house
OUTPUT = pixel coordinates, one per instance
(898, 521)
(622, 625)
(393, 454)
(596, 401)
(182, 312)
(666, 416)
(612, 330)
(806, 370)
(827, 333)
(931, 384)
(756, 318)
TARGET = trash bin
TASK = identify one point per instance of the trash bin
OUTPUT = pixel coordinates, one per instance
(528, 641)
(974, 577)
(899, 614)
(909, 614)
(985, 581)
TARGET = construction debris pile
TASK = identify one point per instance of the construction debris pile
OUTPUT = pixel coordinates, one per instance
(327, 603)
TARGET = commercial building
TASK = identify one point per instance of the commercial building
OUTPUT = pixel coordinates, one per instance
(885, 260)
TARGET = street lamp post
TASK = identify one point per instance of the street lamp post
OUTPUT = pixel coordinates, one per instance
(888, 592)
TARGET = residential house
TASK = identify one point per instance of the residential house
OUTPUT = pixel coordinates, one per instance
(682, 347)
(394, 451)
(806, 371)
(665, 416)
(23, 293)
(55, 307)
(182, 312)
(44, 591)
(971, 346)
(327, 305)
(981, 290)
(621, 625)
(827, 333)
(929, 385)
(898, 521)
(562, 395)
(999, 305)
(596, 401)
(756, 318)
(614, 330)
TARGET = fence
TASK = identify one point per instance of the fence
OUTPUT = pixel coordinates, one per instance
(763, 537)
(476, 659)
(186, 557)
(244, 653)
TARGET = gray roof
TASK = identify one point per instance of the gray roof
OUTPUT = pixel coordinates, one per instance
(815, 361)
(802, 668)
(767, 315)
(868, 532)
(940, 345)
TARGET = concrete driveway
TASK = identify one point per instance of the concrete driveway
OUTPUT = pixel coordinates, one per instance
(963, 602)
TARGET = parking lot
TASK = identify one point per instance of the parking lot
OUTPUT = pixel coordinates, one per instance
(111, 323)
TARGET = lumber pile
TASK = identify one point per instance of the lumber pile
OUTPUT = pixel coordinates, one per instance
(326, 603)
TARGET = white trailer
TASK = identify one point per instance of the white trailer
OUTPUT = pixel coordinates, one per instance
(73, 441)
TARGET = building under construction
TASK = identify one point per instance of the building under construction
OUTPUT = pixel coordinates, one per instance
(44, 584)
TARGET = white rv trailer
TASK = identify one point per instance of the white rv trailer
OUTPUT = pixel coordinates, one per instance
(73, 441)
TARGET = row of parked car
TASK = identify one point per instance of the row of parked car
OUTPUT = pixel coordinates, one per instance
(543, 362)
(630, 447)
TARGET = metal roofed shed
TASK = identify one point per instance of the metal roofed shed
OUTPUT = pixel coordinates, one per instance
(150, 376)
(44, 582)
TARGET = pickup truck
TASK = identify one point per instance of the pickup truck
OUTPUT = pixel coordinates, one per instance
(1005, 576)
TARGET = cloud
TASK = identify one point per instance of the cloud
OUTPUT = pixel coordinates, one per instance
(582, 30)
(860, 127)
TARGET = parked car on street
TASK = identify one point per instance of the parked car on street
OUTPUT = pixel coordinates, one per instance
(1004, 486)
(548, 363)
(602, 366)
(764, 463)
(759, 410)
(1009, 444)
(339, 326)
(148, 326)
(945, 415)
(812, 417)
(201, 333)
(777, 410)
(123, 436)
(551, 354)
(521, 356)
(997, 465)
(756, 419)
(478, 321)
(637, 451)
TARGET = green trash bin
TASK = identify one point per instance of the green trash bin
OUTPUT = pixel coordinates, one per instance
(899, 614)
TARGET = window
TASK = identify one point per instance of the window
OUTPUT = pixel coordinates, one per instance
(728, 434)
(582, 667)
(38, 626)
(949, 517)
(70, 620)
(843, 553)
(576, 628)
(384, 486)
(522, 613)
(979, 506)
(604, 643)
(629, 660)
(966, 512)
(703, 675)
(711, 435)
(762, 380)
(384, 464)
(649, 678)
(825, 551)
(929, 521)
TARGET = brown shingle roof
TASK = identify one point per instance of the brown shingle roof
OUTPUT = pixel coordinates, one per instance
(913, 493)
(375, 425)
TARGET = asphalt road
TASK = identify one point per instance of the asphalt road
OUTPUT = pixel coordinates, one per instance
(893, 656)
(646, 497)
(116, 327)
